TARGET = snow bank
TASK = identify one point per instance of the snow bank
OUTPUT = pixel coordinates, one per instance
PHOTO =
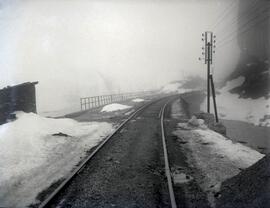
(31, 159)
(233, 83)
(175, 87)
(216, 157)
(171, 87)
(114, 107)
(230, 106)
(236, 152)
(137, 100)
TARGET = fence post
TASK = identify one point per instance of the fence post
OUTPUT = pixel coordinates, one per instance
(98, 101)
(81, 103)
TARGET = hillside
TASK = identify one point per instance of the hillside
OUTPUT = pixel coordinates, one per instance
(256, 74)
(233, 106)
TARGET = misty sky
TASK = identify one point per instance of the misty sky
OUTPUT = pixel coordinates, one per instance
(80, 48)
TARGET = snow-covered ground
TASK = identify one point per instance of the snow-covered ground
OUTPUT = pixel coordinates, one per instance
(114, 107)
(137, 100)
(216, 157)
(31, 158)
(230, 106)
(239, 154)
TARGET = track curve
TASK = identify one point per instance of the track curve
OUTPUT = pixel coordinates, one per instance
(61, 187)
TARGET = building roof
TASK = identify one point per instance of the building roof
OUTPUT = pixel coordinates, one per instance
(20, 85)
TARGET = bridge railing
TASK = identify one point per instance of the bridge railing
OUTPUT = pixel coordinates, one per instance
(98, 101)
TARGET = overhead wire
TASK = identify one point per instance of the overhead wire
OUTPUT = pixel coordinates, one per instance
(245, 27)
(243, 32)
(257, 11)
(225, 12)
(246, 12)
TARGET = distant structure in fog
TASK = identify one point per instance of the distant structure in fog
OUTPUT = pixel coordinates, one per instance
(20, 97)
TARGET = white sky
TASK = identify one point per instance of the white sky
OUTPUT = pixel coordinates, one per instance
(82, 48)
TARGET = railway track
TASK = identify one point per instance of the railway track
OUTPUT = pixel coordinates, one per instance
(72, 176)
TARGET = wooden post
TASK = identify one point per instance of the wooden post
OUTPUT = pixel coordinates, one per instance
(208, 77)
(209, 41)
(214, 97)
(98, 101)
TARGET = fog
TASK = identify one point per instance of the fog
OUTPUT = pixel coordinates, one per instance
(85, 48)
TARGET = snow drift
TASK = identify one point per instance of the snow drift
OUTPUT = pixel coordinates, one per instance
(237, 153)
(188, 84)
(216, 157)
(174, 87)
(138, 100)
(31, 158)
(114, 107)
(231, 106)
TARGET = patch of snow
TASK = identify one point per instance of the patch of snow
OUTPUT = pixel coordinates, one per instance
(230, 106)
(138, 100)
(175, 87)
(242, 155)
(171, 87)
(233, 83)
(196, 122)
(114, 107)
(250, 64)
(31, 159)
(180, 178)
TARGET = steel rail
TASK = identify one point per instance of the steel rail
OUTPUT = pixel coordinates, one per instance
(82, 165)
(166, 160)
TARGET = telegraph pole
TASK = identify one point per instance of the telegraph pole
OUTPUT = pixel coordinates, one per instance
(208, 46)
(214, 97)
(208, 50)
(209, 41)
